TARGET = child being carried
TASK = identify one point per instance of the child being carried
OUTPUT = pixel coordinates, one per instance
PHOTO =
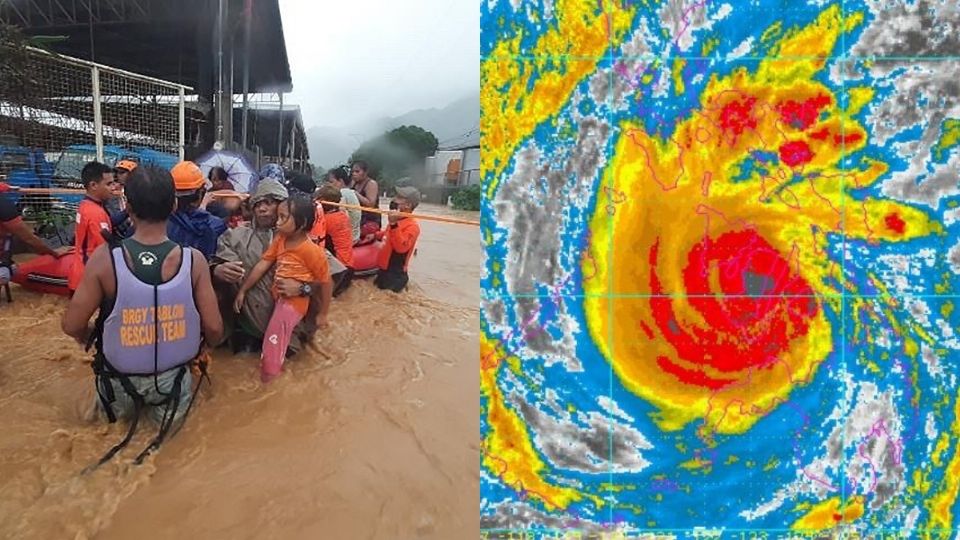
(297, 258)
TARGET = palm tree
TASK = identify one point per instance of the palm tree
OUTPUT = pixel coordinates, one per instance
(16, 77)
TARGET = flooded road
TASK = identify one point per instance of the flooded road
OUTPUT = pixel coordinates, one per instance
(371, 433)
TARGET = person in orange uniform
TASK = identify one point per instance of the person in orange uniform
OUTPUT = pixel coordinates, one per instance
(337, 236)
(92, 218)
(296, 258)
(12, 226)
(401, 241)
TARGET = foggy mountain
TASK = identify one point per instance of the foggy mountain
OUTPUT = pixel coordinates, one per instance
(452, 124)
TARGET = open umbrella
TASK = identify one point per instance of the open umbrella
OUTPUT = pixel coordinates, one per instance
(241, 174)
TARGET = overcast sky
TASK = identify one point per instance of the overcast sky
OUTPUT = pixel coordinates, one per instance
(355, 60)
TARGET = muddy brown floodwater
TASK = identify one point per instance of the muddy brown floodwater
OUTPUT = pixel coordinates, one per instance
(373, 432)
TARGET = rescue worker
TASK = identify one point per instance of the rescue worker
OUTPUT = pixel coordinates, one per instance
(337, 235)
(191, 225)
(92, 217)
(12, 225)
(145, 287)
(401, 241)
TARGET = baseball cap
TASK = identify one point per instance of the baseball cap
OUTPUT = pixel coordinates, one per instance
(409, 194)
(126, 165)
(269, 188)
(187, 177)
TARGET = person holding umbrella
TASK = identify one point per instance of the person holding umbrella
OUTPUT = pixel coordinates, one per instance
(227, 208)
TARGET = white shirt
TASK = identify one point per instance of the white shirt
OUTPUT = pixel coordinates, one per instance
(349, 196)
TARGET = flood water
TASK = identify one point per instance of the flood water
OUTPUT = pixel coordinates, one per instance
(371, 433)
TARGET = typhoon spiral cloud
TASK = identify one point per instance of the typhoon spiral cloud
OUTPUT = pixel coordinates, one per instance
(723, 253)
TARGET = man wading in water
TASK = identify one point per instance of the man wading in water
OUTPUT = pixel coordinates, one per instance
(145, 286)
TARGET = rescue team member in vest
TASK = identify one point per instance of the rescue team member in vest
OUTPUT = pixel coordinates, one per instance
(401, 243)
(92, 218)
(12, 225)
(368, 192)
(117, 205)
(145, 287)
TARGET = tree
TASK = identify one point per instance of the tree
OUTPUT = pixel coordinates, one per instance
(394, 153)
(18, 78)
(467, 198)
(418, 141)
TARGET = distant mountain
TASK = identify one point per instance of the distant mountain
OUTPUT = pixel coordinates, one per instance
(330, 146)
(455, 123)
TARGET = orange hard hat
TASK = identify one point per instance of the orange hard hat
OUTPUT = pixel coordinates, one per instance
(126, 165)
(187, 177)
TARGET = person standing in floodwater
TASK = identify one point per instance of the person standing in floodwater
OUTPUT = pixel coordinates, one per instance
(191, 225)
(296, 258)
(368, 192)
(401, 241)
(92, 217)
(156, 307)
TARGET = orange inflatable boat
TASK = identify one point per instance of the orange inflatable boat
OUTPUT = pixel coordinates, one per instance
(365, 259)
(45, 274)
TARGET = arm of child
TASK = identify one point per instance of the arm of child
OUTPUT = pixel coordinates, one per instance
(258, 271)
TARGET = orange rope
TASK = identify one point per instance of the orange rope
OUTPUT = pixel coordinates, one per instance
(441, 219)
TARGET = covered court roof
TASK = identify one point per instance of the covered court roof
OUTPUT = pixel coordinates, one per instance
(173, 40)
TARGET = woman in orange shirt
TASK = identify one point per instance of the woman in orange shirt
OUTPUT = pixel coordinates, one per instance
(297, 258)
